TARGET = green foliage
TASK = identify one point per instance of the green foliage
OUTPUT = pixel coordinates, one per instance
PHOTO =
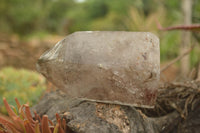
(173, 8)
(55, 14)
(19, 15)
(194, 56)
(120, 7)
(169, 41)
(23, 84)
(64, 16)
(109, 22)
(98, 9)
(195, 11)
(26, 17)
(169, 45)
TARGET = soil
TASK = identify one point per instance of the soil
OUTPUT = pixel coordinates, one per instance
(23, 54)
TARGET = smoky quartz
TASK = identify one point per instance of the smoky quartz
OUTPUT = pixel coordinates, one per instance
(113, 67)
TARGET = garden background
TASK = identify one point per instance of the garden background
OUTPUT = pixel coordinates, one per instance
(30, 27)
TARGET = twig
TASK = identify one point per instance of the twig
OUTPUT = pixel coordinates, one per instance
(177, 59)
(193, 27)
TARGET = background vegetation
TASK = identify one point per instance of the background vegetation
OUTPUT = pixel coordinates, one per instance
(26, 85)
(41, 18)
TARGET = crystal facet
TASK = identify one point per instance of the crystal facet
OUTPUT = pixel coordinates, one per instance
(104, 66)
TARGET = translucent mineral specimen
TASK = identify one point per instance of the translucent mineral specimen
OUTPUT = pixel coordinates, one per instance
(104, 66)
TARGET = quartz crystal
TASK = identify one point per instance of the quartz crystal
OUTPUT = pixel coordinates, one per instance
(112, 67)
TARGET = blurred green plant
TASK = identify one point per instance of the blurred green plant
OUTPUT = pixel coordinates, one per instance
(169, 42)
(23, 84)
(36, 17)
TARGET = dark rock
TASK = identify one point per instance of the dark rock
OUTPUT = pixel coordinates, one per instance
(177, 111)
(91, 117)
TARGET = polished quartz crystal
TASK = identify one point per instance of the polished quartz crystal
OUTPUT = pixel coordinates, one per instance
(104, 66)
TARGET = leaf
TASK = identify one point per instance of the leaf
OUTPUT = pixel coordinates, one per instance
(28, 115)
(64, 124)
(8, 125)
(21, 112)
(29, 128)
(56, 128)
(51, 122)
(18, 103)
(16, 119)
(60, 129)
(45, 125)
(37, 127)
(10, 111)
(27, 124)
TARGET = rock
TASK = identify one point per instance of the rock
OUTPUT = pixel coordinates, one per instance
(110, 67)
(177, 110)
(90, 117)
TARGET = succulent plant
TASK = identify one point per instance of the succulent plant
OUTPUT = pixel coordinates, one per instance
(27, 86)
(20, 120)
